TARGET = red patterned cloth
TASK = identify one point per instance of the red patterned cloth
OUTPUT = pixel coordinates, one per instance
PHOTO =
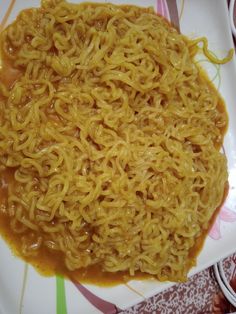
(201, 294)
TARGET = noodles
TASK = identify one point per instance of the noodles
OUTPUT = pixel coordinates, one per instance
(113, 135)
(209, 55)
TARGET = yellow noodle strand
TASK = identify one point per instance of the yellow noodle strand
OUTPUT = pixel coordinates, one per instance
(209, 54)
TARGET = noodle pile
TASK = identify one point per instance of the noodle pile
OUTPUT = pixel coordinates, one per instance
(113, 135)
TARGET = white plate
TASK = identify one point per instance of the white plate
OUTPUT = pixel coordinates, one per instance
(24, 291)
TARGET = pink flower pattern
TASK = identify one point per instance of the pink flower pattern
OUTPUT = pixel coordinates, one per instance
(226, 215)
(162, 9)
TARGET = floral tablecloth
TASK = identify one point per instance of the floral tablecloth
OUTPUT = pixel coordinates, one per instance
(201, 294)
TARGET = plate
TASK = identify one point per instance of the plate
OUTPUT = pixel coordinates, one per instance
(24, 291)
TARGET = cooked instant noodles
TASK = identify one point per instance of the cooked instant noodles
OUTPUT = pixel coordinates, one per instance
(110, 134)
